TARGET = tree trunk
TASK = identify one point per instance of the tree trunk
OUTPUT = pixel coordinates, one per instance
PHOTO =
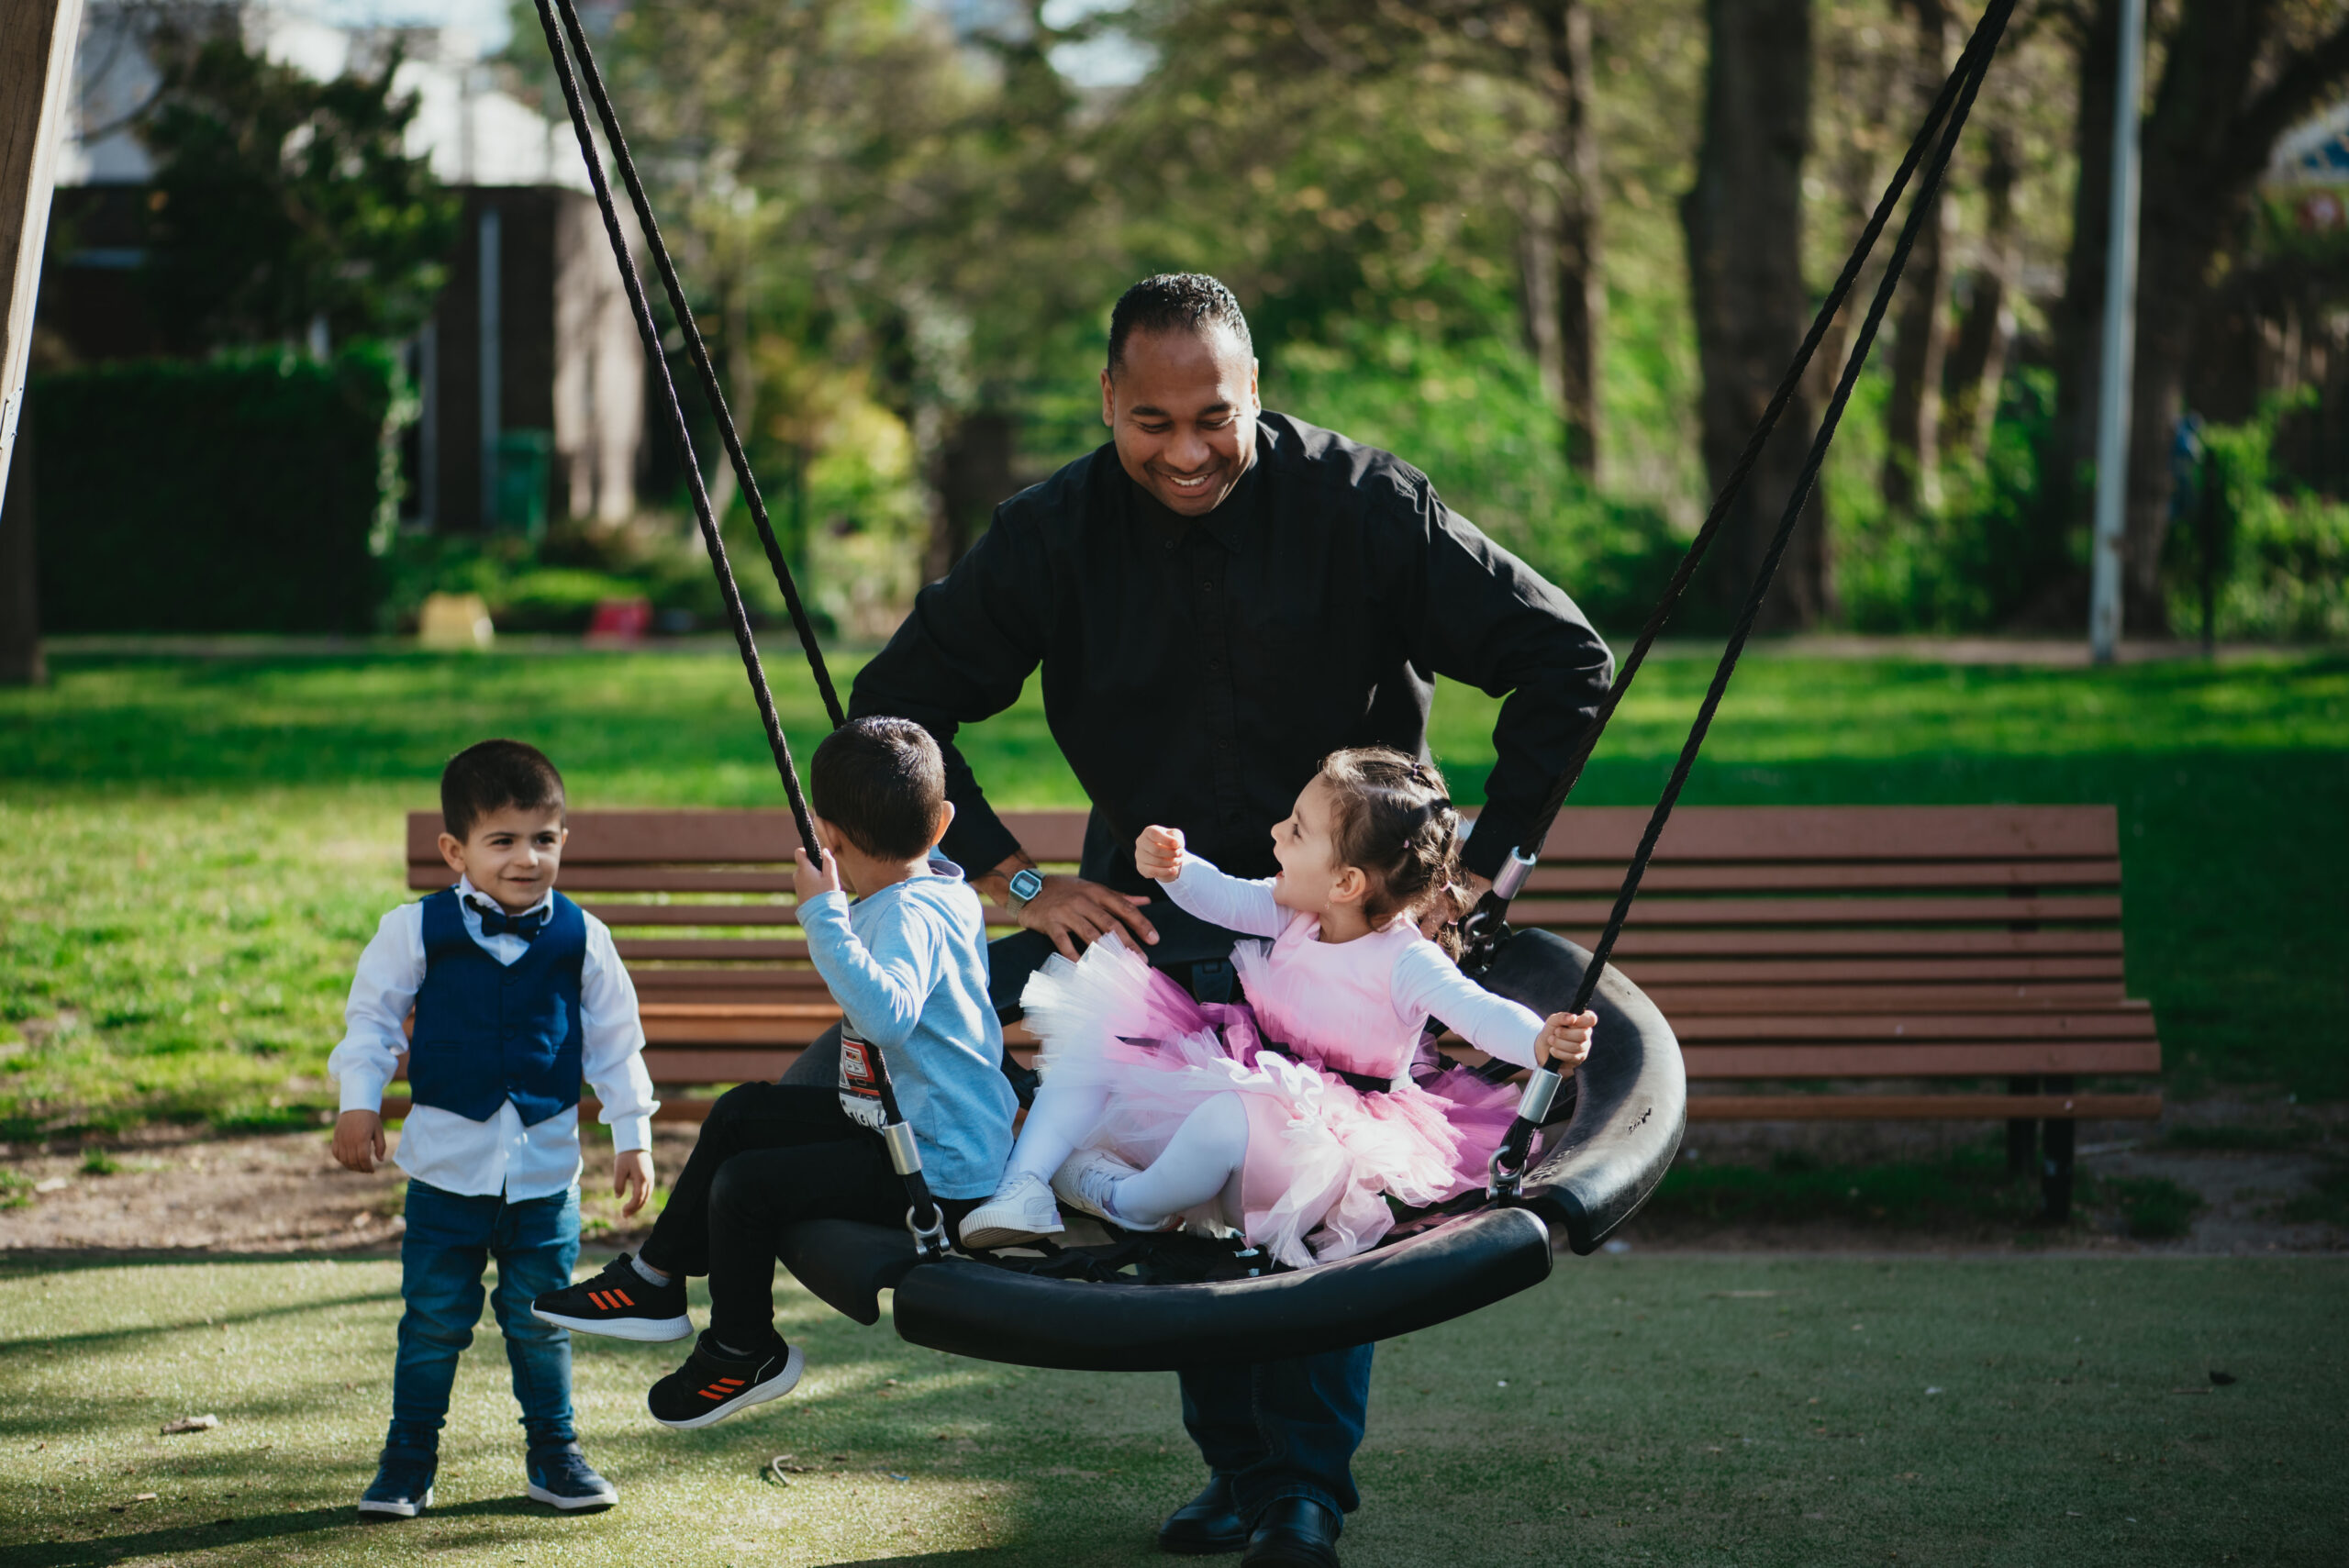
(1977, 357)
(2066, 472)
(1743, 219)
(2205, 142)
(975, 475)
(1579, 286)
(1912, 420)
(20, 657)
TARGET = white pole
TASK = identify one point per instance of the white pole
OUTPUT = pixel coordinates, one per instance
(2118, 349)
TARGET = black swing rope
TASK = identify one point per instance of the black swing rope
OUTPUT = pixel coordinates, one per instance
(923, 1217)
(1956, 100)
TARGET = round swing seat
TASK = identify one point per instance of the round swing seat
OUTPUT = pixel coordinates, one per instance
(1619, 1135)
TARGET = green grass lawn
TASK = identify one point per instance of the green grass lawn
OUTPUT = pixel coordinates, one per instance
(200, 848)
(2042, 1411)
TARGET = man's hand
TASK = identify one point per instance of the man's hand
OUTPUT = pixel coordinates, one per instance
(359, 1141)
(1074, 912)
(1564, 1043)
(1158, 853)
(632, 1174)
(809, 880)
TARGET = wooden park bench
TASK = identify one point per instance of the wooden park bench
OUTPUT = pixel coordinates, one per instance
(1817, 962)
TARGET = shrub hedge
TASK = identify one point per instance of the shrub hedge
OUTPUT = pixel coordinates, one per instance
(241, 493)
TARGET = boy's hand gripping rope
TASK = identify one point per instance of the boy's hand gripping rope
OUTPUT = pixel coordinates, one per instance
(1955, 102)
(923, 1217)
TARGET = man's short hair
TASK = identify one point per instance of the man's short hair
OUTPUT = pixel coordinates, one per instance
(492, 776)
(1191, 302)
(881, 782)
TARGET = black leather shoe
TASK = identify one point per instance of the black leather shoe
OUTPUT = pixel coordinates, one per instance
(1206, 1526)
(1295, 1533)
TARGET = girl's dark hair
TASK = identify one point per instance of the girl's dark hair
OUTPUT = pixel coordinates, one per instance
(1393, 818)
(881, 782)
(491, 777)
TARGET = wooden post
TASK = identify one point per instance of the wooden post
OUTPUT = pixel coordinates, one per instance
(36, 40)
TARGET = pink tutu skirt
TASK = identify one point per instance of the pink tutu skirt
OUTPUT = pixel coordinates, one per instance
(1323, 1156)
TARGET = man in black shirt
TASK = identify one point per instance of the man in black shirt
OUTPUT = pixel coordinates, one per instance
(1216, 600)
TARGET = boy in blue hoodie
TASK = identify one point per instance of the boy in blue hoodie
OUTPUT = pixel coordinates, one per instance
(907, 962)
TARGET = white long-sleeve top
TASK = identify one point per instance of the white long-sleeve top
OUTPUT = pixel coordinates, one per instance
(482, 1159)
(1424, 983)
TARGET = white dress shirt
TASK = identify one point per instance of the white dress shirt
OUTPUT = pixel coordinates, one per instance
(484, 1158)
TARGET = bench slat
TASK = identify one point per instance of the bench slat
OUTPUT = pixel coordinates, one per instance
(1970, 1060)
(2111, 1024)
(1924, 1107)
(1764, 877)
(1883, 970)
(1814, 1000)
(1649, 914)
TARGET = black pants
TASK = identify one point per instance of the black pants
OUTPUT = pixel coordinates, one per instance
(771, 1155)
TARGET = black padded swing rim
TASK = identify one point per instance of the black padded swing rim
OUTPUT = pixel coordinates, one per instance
(1625, 1130)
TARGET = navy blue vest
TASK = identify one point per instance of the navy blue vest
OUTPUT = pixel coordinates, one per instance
(487, 1032)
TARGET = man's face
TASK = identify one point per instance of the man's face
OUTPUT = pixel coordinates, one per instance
(1182, 407)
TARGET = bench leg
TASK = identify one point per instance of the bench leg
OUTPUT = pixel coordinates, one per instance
(2022, 1133)
(2055, 1168)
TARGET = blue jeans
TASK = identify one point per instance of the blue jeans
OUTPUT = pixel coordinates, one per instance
(1282, 1429)
(449, 1240)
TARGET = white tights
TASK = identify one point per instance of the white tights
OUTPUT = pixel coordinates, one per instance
(1201, 1162)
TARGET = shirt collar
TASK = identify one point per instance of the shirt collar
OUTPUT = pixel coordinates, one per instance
(467, 892)
(1228, 524)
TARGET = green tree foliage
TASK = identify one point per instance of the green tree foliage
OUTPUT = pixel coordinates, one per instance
(280, 201)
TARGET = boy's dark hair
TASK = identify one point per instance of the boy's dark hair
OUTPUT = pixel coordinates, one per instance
(493, 775)
(879, 782)
(1189, 301)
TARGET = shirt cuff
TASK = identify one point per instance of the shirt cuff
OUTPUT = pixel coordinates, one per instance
(1499, 829)
(361, 1091)
(631, 1132)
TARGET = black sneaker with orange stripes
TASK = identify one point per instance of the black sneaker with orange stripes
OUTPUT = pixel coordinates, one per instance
(621, 1302)
(713, 1385)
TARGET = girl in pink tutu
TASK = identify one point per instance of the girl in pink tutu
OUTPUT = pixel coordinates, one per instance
(1295, 1117)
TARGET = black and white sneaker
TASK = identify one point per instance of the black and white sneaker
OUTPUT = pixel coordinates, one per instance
(619, 1303)
(562, 1478)
(712, 1386)
(402, 1488)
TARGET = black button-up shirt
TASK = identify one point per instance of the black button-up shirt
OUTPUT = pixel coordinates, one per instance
(1198, 670)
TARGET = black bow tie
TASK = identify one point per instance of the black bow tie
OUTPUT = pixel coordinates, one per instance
(497, 922)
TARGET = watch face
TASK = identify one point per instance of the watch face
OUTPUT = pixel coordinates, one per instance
(1026, 884)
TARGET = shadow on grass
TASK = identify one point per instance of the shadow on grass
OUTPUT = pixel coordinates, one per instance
(100, 1338)
(230, 1533)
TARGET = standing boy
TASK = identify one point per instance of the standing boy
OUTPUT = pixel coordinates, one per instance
(908, 965)
(517, 995)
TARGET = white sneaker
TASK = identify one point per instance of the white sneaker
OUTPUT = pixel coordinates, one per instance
(1021, 1210)
(1084, 1181)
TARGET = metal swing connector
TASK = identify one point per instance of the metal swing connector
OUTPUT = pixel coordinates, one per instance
(905, 1157)
(1505, 1173)
(930, 1239)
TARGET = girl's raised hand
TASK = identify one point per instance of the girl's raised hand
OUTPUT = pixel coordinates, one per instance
(1158, 853)
(1564, 1039)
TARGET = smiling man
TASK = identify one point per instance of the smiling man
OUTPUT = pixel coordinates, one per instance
(1216, 600)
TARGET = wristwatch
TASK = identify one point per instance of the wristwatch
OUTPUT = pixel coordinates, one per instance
(1025, 885)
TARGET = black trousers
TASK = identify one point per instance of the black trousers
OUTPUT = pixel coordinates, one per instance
(771, 1155)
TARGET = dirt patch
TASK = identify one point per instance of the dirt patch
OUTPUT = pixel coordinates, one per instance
(2271, 1153)
(167, 1189)
(173, 1190)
